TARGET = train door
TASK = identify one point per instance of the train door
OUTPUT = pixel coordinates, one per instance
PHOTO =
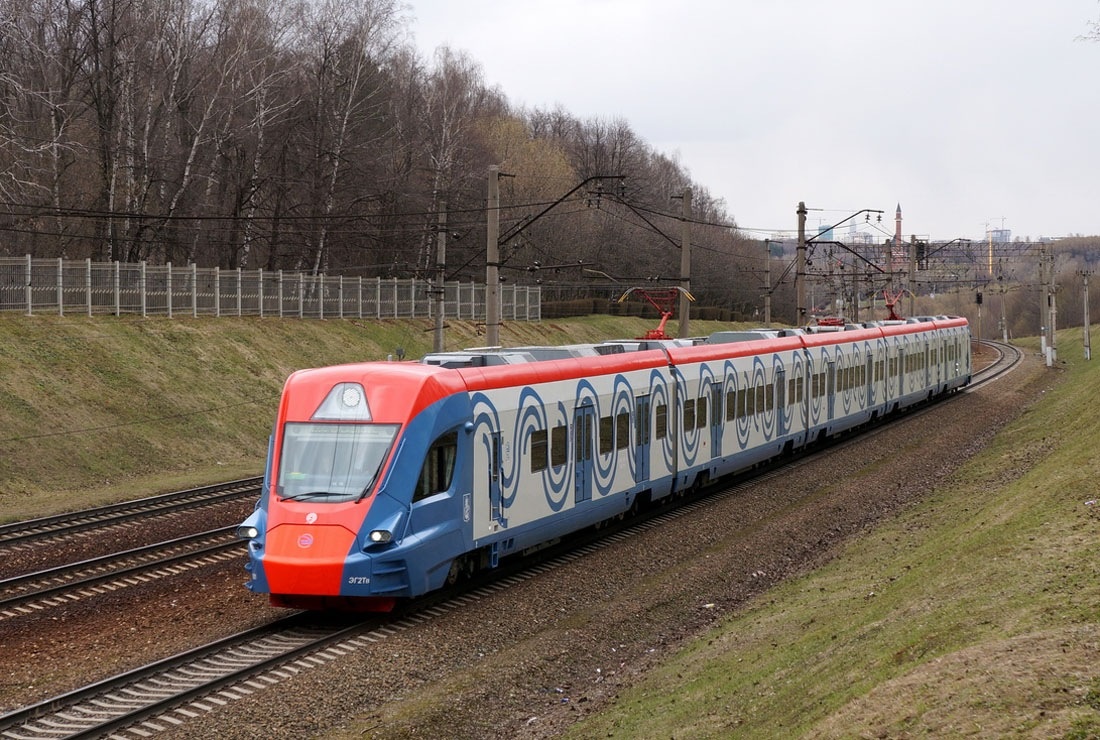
(806, 397)
(496, 506)
(717, 420)
(584, 426)
(927, 370)
(782, 423)
(901, 372)
(869, 380)
(642, 435)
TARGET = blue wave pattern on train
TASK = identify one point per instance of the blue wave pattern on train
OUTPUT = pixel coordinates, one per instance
(387, 480)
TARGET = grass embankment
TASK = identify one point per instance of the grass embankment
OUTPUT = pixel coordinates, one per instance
(976, 614)
(106, 409)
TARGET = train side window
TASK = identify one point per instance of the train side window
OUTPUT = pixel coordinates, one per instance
(760, 399)
(660, 422)
(769, 396)
(622, 430)
(559, 446)
(439, 467)
(689, 413)
(731, 406)
(540, 446)
(607, 435)
(701, 413)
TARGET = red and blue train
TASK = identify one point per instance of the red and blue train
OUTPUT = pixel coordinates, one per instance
(388, 480)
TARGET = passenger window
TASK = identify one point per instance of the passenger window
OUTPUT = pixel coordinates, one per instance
(439, 467)
(607, 435)
(539, 450)
(689, 413)
(559, 446)
(701, 413)
(660, 422)
(622, 430)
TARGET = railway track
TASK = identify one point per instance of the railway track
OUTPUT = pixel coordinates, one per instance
(1008, 359)
(19, 535)
(33, 592)
(168, 693)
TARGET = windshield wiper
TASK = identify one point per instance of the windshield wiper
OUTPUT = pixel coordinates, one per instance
(307, 495)
(366, 488)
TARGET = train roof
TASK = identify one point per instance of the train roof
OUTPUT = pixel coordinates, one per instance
(406, 387)
(486, 357)
(496, 356)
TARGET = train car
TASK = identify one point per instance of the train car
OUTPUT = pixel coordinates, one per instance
(387, 480)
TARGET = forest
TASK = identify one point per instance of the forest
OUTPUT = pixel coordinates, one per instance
(312, 136)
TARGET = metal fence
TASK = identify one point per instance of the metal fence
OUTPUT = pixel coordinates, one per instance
(61, 286)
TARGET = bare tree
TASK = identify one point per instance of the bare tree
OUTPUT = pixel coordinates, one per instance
(454, 97)
(40, 46)
(343, 45)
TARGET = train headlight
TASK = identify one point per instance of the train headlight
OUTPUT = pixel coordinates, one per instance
(247, 532)
(380, 536)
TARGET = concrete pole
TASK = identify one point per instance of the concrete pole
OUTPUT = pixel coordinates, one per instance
(911, 279)
(492, 260)
(1088, 335)
(979, 349)
(800, 268)
(440, 275)
(685, 263)
(1052, 322)
(1043, 301)
(767, 283)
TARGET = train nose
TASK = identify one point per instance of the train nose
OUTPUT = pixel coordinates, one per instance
(307, 558)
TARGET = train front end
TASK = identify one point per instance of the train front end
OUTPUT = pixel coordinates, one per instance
(332, 528)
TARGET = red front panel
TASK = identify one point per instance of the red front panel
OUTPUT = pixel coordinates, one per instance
(306, 558)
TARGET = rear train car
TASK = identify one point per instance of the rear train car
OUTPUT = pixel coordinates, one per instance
(387, 480)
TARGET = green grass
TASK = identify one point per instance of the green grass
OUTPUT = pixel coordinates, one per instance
(101, 409)
(985, 618)
(975, 615)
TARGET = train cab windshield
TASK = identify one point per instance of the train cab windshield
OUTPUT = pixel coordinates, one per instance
(332, 462)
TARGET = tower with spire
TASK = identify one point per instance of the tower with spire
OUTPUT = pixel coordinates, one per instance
(897, 249)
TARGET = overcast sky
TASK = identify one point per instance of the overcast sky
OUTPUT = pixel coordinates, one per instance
(966, 112)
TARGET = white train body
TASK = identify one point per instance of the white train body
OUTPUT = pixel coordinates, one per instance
(495, 451)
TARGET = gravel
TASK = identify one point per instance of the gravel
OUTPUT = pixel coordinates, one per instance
(529, 660)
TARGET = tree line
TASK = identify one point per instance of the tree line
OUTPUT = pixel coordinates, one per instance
(312, 136)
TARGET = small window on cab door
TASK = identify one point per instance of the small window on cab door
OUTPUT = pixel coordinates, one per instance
(439, 467)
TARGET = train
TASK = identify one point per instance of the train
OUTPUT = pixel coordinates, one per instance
(388, 480)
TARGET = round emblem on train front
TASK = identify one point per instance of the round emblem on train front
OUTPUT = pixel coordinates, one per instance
(305, 540)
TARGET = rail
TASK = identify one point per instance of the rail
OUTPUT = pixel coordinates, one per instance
(15, 534)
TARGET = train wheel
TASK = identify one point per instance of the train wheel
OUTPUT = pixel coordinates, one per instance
(460, 570)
